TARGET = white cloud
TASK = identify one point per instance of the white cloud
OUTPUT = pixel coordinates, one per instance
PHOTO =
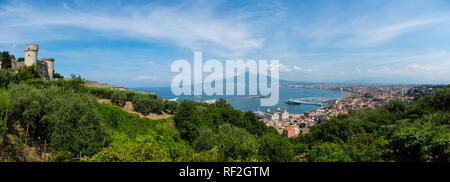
(300, 69)
(280, 67)
(415, 73)
(189, 26)
(143, 77)
(284, 69)
(426, 68)
(381, 34)
(369, 29)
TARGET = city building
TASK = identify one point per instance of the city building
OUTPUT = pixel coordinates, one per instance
(289, 132)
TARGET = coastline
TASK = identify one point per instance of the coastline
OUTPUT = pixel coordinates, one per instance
(254, 104)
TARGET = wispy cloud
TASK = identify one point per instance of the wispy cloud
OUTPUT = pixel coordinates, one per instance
(143, 77)
(189, 26)
(379, 35)
(301, 69)
(135, 42)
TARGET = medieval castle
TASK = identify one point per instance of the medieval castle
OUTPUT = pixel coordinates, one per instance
(45, 65)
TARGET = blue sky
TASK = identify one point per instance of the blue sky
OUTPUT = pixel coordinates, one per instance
(133, 43)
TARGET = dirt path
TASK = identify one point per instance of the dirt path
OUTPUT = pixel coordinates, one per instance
(129, 108)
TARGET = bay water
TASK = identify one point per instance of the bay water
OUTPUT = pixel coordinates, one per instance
(254, 103)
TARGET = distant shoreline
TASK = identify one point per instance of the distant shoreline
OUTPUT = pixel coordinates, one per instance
(254, 104)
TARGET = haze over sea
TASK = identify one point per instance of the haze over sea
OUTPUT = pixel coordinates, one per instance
(254, 104)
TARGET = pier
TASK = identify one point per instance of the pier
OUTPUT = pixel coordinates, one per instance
(212, 101)
(245, 98)
(319, 101)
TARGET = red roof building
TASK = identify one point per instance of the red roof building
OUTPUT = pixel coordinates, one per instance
(289, 132)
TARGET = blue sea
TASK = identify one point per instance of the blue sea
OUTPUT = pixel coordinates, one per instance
(254, 104)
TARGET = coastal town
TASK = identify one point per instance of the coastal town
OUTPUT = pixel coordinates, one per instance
(358, 97)
(294, 124)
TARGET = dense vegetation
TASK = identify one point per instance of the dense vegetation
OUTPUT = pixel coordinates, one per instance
(142, 103)
(398, 131)
(5, 59)
(222, 133)
(65, 115)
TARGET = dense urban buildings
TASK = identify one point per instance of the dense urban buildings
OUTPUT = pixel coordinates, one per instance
(359, 97)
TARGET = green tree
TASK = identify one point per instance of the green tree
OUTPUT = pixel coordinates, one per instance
(207, 155)
(146, 104)
(119, 97)
(57, 75)
(236, 144)
(28, 106)
(366, 148)
(4, 111)
(333, 130)
(5, 59)
(328, 152)
(275, 148)
(28, 72)
(252, 124)
(149, 151)
(73, 85)
(75, 125)
(441, 99)
(187, 120)
(206, 140)
(170, 106)
(7, 77)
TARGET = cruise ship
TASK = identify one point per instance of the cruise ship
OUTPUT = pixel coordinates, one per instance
(308, 101)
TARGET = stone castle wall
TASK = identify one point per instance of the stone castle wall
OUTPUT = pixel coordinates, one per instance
(31, 51)
(45, 65)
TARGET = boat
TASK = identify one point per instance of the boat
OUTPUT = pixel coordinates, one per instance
(292, 101)
(308, 101)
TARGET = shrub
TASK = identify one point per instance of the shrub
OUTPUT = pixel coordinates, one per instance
(74, 85)
(75, 124)
(133, 152)
(206, 140)
(118, 97)
(146, 105)
(28, 106)
(328, 152)
(28, 72)
(7, 77)
(275, 148)
(57, 76)
(5, 59)
(236, 144)
(170, 106)
(4, 110)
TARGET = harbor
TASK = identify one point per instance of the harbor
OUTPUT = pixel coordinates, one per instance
(252, 102)
(212, 101)
(318, 101)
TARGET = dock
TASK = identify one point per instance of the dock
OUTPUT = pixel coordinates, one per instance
(319, 101)
(212, 101)
(245, 98)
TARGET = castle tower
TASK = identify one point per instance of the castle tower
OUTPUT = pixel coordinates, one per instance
(49, 62)
(31, 51)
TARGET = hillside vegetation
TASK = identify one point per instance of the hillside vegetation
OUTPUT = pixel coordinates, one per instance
(398, 131)
(62, 121)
